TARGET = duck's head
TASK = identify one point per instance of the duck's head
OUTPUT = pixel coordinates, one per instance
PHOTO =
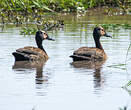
(98, 32)
(42, 35)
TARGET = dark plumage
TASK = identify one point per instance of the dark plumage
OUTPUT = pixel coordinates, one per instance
(33, 53)
(92, 53)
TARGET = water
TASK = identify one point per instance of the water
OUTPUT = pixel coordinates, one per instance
(59, 85)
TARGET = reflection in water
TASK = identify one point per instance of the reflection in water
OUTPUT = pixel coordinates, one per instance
(97, 78)
(2, 28)
(97, 66)
(40, 78)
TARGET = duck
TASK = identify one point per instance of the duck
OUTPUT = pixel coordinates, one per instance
(30, 53)
(92, 53)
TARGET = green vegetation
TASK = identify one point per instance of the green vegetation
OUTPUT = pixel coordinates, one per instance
(59, 5)
(14, 8)
(28, 31)
(127, 85)
(53, 24)
(47, 26)
(111, 27)
(120, 66)
(23, 11)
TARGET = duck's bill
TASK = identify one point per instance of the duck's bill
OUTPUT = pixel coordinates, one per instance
(107, 35)
(48, 38)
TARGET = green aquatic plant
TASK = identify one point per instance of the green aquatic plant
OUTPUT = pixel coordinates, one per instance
(116, 26)
(18, 10)
(46, 26)
(119, 66)
(127, 87)
(129, 83)
(28, 31)
(126, 26)
(29, 6)
(2, 17)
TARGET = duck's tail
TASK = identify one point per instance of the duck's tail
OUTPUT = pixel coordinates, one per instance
(20, 56)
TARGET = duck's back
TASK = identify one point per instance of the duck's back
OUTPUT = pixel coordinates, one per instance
(88, 53)
(30, 54)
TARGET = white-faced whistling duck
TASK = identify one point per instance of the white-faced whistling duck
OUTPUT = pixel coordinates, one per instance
(33, 53)
(92, 53)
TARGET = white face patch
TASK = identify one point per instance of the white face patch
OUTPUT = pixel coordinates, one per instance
(102, 31)
(44, 34)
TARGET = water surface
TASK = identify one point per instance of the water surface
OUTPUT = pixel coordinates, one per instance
(58, 85)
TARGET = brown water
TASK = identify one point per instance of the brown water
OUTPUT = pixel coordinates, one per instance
(58, 85)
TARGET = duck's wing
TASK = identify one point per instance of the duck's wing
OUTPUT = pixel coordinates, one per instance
(29, 53)
(88, 53)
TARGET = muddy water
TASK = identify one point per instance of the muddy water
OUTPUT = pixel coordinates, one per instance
(58, 84)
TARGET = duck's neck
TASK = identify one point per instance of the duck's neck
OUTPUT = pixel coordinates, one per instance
(41, 47)
(98, 44)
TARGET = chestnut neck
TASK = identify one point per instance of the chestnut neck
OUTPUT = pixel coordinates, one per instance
(97, 42)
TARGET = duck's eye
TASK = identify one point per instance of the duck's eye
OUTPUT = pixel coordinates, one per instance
(99, 29)
(102, 29)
